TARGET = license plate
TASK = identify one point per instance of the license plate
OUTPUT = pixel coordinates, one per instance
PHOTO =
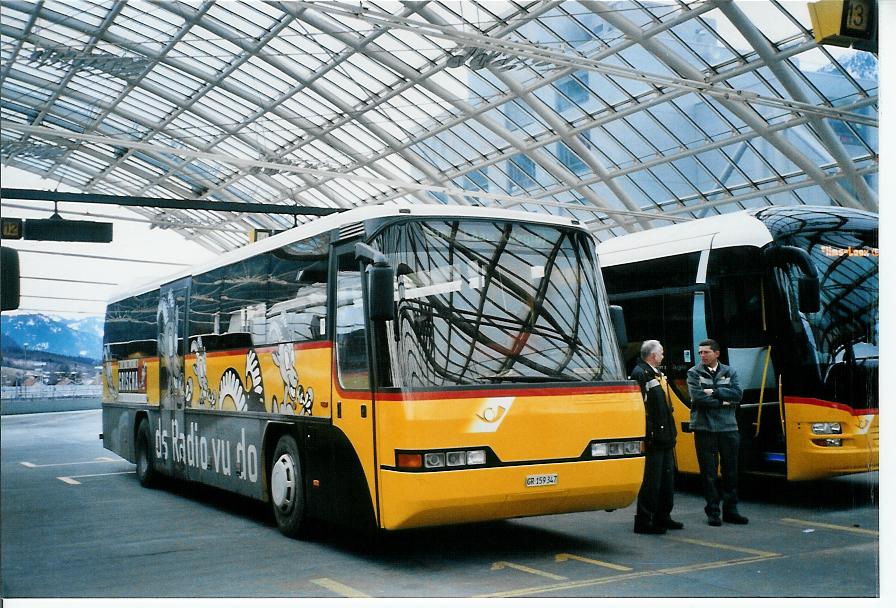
(533, 481)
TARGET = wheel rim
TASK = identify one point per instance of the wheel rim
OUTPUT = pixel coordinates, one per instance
(283, 482)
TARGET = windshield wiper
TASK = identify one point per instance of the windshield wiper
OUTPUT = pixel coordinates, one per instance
(527, 379)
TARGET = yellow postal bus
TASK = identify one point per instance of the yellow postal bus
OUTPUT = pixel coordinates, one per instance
(791, 294)
(387, 367)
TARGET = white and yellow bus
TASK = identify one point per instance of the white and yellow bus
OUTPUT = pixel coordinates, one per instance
(387, 366)
(791, 294)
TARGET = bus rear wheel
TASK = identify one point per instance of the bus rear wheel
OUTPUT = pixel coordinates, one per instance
(287, 491)
(146, 473)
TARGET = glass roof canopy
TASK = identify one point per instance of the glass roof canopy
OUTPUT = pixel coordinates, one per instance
(624, 114)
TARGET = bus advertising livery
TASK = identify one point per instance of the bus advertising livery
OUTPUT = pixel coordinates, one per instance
(383, 367)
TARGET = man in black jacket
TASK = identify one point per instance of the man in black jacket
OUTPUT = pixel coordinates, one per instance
(715, 395)
(653, 515)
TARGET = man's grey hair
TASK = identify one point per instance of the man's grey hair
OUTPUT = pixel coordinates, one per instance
(649, 347)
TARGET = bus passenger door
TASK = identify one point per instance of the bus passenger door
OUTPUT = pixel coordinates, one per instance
(352, 407)
(172, 326)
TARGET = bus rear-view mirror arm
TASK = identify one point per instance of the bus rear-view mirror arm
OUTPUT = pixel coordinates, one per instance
(617, 316)
(380, 282)
(809, 287)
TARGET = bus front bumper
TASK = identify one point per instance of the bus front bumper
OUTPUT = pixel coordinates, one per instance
(856, 454)
(416, 499)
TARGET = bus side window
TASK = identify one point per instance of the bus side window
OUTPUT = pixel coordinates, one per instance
(736, 297)
(130, 328)
(231, 300)
(297, 300)
(351, 339)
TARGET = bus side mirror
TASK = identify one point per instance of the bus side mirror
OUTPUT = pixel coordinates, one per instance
(381, 292)
(809, 294)
(380, 282)
(809, 290)
(9, 272)
(618, 319)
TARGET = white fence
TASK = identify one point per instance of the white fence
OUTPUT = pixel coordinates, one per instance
(57, 391)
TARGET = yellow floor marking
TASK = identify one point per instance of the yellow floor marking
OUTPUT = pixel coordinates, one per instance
(527, 570)
(816, 524)
(31, 465)
(338, 588)
(630, 576)
(71, 480)
(703, 543)
(562, 557)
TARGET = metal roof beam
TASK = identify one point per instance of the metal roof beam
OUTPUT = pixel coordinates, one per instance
(273, 106)
(752, 194)
(695, 83)
(162, 203)
(782, 72)
(325, 24)
(551, 119)
(738, 107)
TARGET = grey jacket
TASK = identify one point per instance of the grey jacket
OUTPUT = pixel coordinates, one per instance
(714, 412)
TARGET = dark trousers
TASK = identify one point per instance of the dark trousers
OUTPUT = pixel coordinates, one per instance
(713, 449)
(657, 488)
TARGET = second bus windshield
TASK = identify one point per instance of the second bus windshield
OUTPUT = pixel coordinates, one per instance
(488, 302)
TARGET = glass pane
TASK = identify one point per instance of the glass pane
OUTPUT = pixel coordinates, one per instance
(490, 302)
(351, 335)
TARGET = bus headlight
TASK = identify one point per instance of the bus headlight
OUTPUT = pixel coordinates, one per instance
(454, 459)
(598, 450)
(616, 449)
(434, 460)
(826, 428)
(475, 457)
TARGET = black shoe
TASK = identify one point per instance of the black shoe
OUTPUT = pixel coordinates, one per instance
(735, 518)
(713, 520)
(671, 524)
(648, 529)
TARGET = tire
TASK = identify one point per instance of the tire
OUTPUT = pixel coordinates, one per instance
(146, 472)
(287, 488)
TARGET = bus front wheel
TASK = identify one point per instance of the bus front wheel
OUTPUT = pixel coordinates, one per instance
(287, 492)
(146, 473)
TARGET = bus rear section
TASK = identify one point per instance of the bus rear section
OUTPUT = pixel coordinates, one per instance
(484, 454)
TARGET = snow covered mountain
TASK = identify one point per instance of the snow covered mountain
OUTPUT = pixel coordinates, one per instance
(82, 337)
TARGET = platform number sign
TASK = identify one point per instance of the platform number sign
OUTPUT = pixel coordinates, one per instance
(858, 17)
(12, 228)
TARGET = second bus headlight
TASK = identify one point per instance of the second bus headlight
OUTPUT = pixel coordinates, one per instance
(456, 459)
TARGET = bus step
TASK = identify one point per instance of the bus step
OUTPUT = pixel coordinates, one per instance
(773, 457)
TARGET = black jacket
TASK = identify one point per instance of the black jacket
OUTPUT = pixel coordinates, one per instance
(661, 430)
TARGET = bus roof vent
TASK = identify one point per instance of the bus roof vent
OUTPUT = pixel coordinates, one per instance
(351, 230)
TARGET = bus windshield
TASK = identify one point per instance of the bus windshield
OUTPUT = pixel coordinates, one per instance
(483, 302)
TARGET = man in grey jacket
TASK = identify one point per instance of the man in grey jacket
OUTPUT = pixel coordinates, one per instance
(715, 395)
